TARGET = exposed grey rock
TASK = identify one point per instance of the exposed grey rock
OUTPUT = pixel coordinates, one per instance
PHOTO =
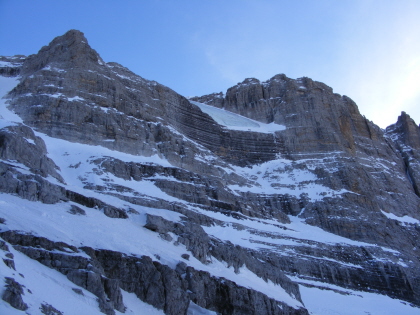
(158, 224)
(207, 192)
(226, 297)
(319, 124)
(406, 134)
(77, 210)
(13, 294)
(189, 233)
(185, 256)
(3, 246)
(78, 269)
(9, 263)
(107, 290)
(406, 130)
(181, 268)
(67, 91)
(28, 186)
(19, 143)
(12, 65)
(316, 119)
(202, 247)
(78, 291)
(48, 309)
(36, 188)
(152, 282)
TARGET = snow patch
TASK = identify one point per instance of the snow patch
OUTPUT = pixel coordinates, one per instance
(194, 309)
(43, 285)
(404, 220)
(234, 121)
(281, 177)
(7, 117)
(127, 236)
(6, 64)
(348, 302)
(135, 305)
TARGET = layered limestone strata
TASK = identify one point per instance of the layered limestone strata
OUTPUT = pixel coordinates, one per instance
(328, 167)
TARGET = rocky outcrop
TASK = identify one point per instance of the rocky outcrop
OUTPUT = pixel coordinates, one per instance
(329, 167)
(19, 144)
(35, 188)
(406, 134)
(48, 309)
(80, 98)
(13, 294)
(326, 134)
(316, 119)
(106, 272)
(11, 66)
(406, 131)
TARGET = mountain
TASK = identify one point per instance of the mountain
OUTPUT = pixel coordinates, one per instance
(118, 195)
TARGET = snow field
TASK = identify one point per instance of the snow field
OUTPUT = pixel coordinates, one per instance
(348, 302)
(44, 285)
(234, 121)
(130, 237)
(278, 177)
(123, 235)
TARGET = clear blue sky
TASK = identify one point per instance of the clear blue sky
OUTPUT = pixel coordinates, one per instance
(366, 49)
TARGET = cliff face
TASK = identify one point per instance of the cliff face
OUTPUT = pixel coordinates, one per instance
(316, 119)
(242, 203)
(406, 135)
(326, 134)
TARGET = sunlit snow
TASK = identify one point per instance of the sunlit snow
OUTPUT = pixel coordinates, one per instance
(130, 237)
(237, 122)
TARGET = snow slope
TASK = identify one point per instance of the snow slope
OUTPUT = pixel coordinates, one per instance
(7, 117)
(54, 221)
(237, 122)
(129, 236)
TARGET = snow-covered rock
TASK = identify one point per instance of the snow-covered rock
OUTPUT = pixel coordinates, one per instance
(118, 195)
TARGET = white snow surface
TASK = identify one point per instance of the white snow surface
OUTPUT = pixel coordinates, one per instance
(136, 306)
(404, 219)
(279, 177)
(129, 236)
(5, 64)
(325, 301)
(7, 117)
(237, 122)
(194, 309)
(45, 285)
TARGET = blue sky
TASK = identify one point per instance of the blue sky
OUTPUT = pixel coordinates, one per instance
(368, 50)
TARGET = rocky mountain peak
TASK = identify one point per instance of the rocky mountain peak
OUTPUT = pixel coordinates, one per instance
(331, 121)
(278, 98)
(269, 199)
(406, 130)
(70, 50)
(406, 135)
